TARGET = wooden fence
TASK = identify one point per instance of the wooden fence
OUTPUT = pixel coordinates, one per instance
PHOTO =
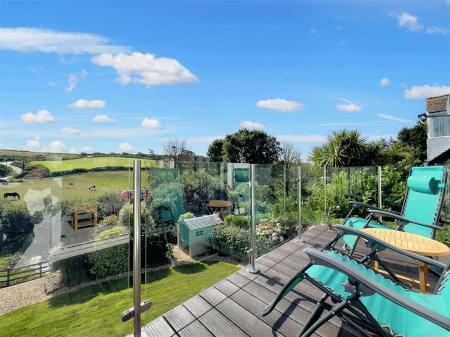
(12, 276)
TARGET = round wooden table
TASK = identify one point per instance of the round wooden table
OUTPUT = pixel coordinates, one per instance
(413, 243)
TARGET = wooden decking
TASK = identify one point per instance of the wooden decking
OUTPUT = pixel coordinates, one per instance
(232, 306)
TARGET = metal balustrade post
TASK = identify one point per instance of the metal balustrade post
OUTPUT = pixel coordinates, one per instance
(325, 214)
(252, 268)
(137, 249)
(380, 191)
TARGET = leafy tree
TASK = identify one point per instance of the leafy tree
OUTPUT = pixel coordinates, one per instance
(5, 171)
(415, 139)
(215, 151)
(250, 146)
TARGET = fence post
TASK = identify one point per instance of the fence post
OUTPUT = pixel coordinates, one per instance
(299, 201)
(380, 192)
(137, 249)
(40, 269)
(252, 268)
(325, 214)
(8, 271)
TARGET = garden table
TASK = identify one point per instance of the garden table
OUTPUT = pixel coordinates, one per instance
(414, 243)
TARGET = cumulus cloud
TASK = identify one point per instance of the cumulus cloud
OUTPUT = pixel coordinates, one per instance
(87, 149)
(33, 144)
(424, 91)
(103, 118)
(384, 82)
(151, 123)
(412, 23)
(88, 104)
(40, 117)
(51, 41)
(146, 69)
(394, 118)
(125, 147)
(74, 78)
(279, 104)
(70, 131)
(302, 138)
(57, 146)
(252, 125)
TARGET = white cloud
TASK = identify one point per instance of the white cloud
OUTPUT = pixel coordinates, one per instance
(279, 104)
(349, 107)
(73, 79)
(125, 147)
(86, 149)
(409, 22)
(302, 138)
(424, 91)
(40, 117)
(252, 125)
(150, 123)
(103, 118)
(384, 82)
(412, 23)
(394, 118)
(33, 144)
(88, 104)
(57, 146)
(146, 69)
(70, 131)
(52, 41)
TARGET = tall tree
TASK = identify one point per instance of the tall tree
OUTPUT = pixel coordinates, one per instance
(416, 139)
(215, 150)
(247, 146)
(175, 147)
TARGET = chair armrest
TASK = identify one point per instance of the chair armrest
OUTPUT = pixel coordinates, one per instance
(357, 204)
(368, 286)
(399, 218)
(373, 241)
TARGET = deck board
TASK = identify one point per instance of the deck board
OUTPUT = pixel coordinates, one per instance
(232, 307)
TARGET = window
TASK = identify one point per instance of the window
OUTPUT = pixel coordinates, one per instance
(439, 126)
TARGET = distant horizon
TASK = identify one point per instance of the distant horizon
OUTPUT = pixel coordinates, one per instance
(198, 70)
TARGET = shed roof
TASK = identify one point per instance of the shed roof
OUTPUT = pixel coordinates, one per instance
(202, 221)
(437, 104)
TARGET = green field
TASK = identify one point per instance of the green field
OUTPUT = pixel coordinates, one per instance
(95, 311)
(91, 163)
(76, 186)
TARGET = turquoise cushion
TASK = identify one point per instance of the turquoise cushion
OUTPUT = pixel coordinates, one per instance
(359, 223)
(423, 184)
(387, 313)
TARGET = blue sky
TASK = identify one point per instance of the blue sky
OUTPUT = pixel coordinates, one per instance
(126, 75)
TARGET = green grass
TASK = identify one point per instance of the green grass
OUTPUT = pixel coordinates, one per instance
(90, 163)
(76, 186)
(96, 310)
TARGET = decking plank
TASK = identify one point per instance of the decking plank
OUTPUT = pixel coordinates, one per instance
(232, 307)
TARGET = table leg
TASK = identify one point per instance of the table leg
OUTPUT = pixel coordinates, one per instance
(423, 277)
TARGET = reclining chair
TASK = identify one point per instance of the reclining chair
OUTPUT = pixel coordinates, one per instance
(387, 307)
(420, 212)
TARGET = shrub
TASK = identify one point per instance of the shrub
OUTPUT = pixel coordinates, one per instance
(109, 261)
(126, 215)
(232, 240)
(111, 233)
(6, 171)
(15, 220)
(242, 221)
(443, 235)
(110, 203)
(185, 216)
(107, 223)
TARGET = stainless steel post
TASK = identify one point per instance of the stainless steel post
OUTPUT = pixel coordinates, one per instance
(137, 249)
(380, 192)
(252, 268)
(325, 214)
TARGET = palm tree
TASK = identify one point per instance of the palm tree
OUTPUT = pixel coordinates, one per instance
(343, 148)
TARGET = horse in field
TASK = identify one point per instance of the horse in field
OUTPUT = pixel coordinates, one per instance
(14, 195)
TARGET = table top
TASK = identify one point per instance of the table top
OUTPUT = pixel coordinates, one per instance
(220, 203)
(409, 241)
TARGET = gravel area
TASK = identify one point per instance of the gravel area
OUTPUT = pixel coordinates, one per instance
(21, 295)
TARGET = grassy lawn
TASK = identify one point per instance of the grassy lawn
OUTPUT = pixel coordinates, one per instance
(95, 311)
(90, 163)
(76, 186)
